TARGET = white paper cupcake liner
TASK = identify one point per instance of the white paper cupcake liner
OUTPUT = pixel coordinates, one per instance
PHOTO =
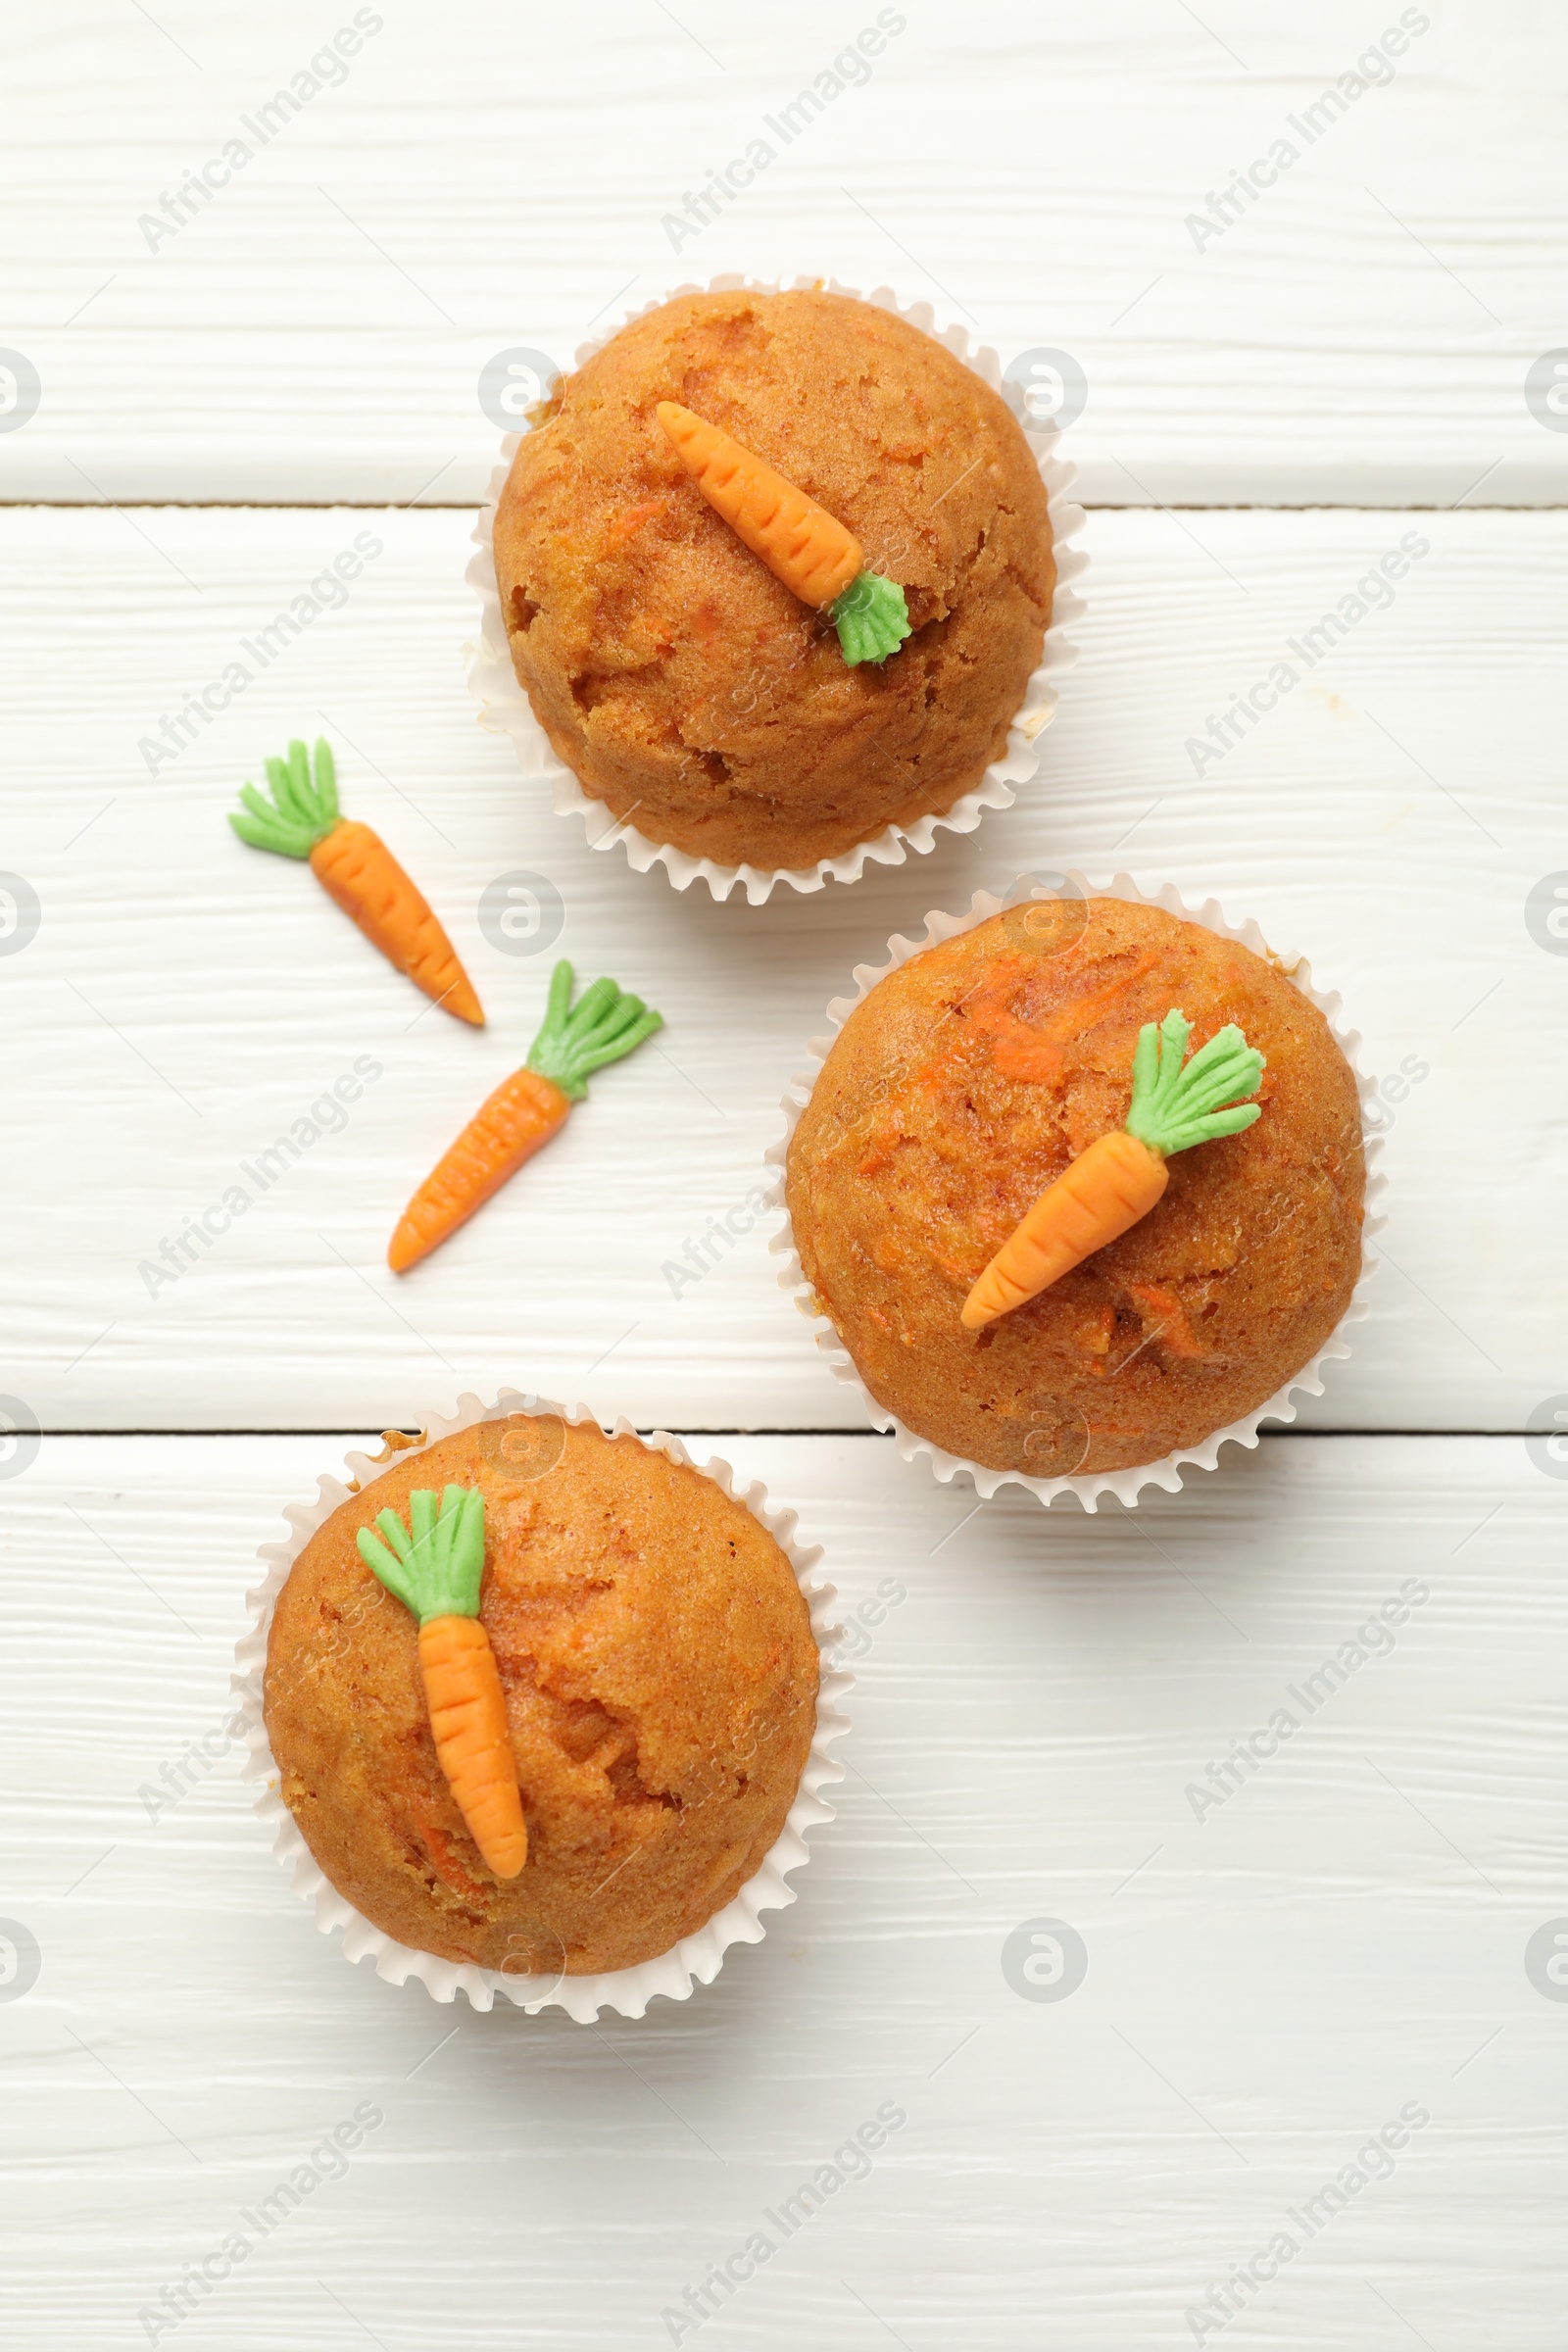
(504, 707)
(1166, 1473)
(696, 1959)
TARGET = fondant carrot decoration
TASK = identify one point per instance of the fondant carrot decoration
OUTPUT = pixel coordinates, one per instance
(525, 1111)
(355, 866)
(800, 543)
(1121, 1175)
(435, 1571)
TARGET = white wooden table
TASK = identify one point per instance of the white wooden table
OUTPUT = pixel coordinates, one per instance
(1277, 1963)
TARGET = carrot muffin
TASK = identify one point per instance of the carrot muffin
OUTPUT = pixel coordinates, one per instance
(687, 686)
(657, 1680)
(970, 1079)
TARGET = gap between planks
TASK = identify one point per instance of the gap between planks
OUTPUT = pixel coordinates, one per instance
(703, 1429)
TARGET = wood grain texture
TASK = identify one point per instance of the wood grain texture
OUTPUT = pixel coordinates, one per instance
(1265, 1987)
(1389, 818)
(483, 180)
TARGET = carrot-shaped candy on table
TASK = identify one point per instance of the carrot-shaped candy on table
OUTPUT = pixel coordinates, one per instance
(355, 866)
(1121, 1175)
(800, 543)
(435, 1566)
(524, 1112)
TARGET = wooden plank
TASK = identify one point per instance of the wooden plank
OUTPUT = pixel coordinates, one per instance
(1342, 1939)
(1358, 331)
(1389, 817)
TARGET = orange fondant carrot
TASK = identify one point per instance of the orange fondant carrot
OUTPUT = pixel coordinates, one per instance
(800, 543)
(1121, 1175)
(356, 869)
(524, 1112)
(469, 1718)
(435, 1566)
(797, 540)
(508, 1127)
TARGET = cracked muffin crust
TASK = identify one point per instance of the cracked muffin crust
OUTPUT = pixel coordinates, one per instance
(681, 682)
(660, 1672)
(966, 1083)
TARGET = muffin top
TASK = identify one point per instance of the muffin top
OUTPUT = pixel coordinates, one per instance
(659, 1674)
(673, 671)
(966, 1083)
